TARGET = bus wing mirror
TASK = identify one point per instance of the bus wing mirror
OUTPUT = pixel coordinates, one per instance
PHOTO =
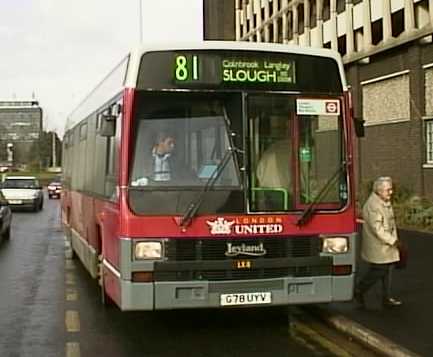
(107, 126)
(359, 127)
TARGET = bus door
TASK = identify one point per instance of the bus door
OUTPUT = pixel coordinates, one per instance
(272, 143)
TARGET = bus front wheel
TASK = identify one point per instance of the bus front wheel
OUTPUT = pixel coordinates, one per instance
(105, 299)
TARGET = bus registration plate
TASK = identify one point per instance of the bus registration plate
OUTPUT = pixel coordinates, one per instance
(245, 299)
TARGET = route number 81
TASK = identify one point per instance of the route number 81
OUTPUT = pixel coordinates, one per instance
(186, 71)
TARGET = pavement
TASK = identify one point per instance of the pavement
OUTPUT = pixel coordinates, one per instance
(406, 330)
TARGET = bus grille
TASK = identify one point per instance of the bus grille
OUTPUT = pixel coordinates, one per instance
(205, 259)
(230, 274)
(214, 249)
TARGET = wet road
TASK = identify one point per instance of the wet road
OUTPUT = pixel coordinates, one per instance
(49, 306)
(31, 285)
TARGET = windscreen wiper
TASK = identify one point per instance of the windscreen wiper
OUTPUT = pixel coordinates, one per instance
(195, 204)
(310, 209)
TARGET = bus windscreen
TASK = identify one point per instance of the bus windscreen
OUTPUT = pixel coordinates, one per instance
(238, 70)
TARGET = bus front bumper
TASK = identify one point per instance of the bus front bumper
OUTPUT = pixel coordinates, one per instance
(209, 294)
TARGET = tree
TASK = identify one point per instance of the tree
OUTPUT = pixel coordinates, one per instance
(41, 153)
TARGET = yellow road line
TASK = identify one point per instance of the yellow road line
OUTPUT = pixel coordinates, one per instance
(325, 343)
(69, 264)
(72, 321)
(71, 294)
(72, 349)
(72, 318)
(69, 278)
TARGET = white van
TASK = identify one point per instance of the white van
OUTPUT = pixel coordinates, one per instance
(23, 191)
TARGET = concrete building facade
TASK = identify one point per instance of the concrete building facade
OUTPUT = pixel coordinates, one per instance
(387, 50)
(20, 130)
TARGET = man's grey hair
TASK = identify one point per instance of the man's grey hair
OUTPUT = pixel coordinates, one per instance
(379, 182)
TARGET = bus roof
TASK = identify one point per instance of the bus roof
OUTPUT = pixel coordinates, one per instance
(125, 74)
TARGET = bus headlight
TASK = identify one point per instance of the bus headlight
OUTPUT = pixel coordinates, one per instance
(335, 245)
(148, 250)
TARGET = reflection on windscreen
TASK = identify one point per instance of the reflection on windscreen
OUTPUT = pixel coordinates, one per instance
(19, 184)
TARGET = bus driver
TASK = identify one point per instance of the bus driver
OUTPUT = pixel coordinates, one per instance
(158, 164)
(161, 157)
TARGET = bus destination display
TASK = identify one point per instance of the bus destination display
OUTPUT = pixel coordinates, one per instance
(195, 68)
(238, 70)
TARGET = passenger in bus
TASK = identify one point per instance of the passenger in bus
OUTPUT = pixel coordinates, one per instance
(273, 173)
(273, 166)
(380, 243)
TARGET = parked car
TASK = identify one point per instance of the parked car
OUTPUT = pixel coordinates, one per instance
(54, 189)
(23, 191)
(5, 218)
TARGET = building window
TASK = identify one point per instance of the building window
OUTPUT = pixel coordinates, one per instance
(313, 14)
(341, 6)
(326, 14)
(301, 25)
(377, 32)
(386, 99)
(342, 45)
(422, 17)
(429, 141)
(397, 20)
(428, 87)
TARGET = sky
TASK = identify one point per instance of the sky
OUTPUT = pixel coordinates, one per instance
(58, 50)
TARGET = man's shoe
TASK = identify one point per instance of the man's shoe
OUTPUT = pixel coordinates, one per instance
(392, 302)
(359, 298)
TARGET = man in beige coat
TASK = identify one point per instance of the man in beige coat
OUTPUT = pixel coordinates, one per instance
(379, 242)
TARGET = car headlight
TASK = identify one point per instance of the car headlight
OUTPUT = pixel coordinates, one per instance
(148, 250)
(335, 245)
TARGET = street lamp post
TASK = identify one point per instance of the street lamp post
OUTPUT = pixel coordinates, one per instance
(10, 153)
(140, 19)
(53, 149)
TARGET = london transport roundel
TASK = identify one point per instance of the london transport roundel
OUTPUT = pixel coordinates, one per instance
(331, 107)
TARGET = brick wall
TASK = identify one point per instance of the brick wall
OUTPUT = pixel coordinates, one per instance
(428, 180)
(392, 150)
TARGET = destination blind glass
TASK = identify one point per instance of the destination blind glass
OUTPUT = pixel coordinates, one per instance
(238, 70)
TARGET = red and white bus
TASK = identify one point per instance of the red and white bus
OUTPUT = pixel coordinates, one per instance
(257, 207)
